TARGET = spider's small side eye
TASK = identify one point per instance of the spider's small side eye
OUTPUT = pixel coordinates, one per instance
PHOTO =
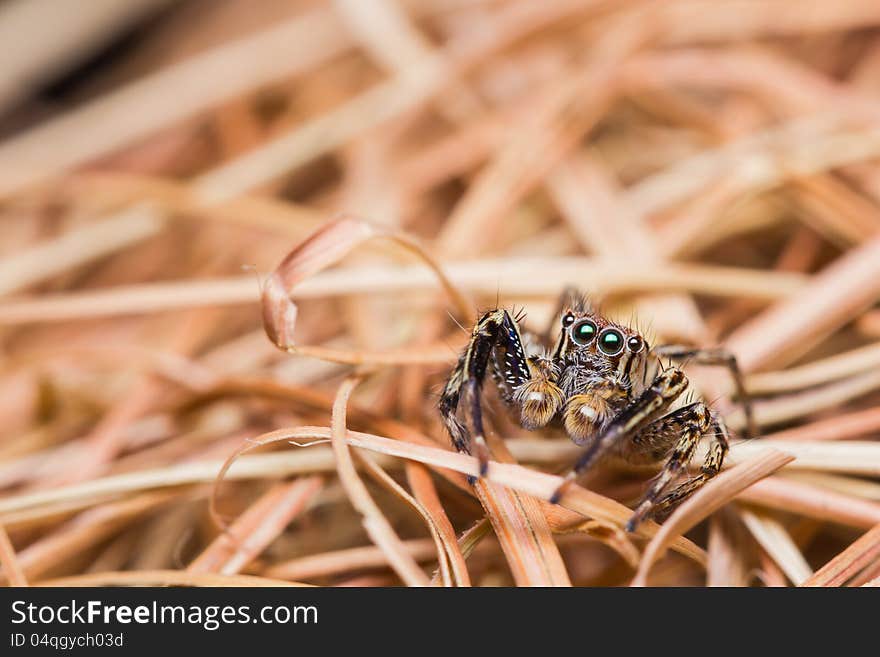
(635, 344)
(611, 342)
(583, 332)
(567, 319)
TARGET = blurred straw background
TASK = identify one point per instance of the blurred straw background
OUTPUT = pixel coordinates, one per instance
(709, 167)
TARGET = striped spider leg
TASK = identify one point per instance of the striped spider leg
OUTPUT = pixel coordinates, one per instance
(645, 433)
(526, 380)
(720, 357)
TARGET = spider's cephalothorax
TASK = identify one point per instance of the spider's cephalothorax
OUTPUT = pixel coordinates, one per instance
(603, 383)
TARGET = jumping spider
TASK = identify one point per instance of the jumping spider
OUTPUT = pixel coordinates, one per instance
(600, 381)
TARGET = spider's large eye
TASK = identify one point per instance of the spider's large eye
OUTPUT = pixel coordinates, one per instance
(583, 332)
(611, 342)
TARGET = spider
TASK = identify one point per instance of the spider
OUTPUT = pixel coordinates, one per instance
(604, 385)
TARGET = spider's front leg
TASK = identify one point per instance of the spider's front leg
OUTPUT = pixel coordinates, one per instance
(723, 358)
(496, 342)
(663, 391)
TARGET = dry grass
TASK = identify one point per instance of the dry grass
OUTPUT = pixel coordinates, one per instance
(381, 171)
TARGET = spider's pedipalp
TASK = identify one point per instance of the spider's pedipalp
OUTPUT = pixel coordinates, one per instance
(539, 398)
(587, 412)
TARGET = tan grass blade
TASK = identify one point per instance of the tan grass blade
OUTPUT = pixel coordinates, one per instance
(257, 527)
(375, 523)
(613, 536)
(841, 427)
(777, 542)
(522, 529)
(793, 496)
(406, 92)
(709, 498)
(523, 276)
(816, 373)
(84, 531)
(727, 551)
(9, 560)
(833, 297)
(171, 95)
(852, 486)
(426, 493)
(323, 248)
(537, 484)
(864, 552)
(524, 536)
(852, 456)
(77, 247)
(326, 564)
(584, 503)
(164, 578)
(384, 479)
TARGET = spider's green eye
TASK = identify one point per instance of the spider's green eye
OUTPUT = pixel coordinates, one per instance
(583, 332)
(611, 342)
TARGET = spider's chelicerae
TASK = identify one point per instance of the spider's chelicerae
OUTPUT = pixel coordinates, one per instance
(604, 384)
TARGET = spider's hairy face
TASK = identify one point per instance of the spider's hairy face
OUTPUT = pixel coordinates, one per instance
(601, 366)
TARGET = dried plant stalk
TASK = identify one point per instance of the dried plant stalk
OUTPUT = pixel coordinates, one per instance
(865, 551)
(237, 545)
(843, 290)
(440, 547)
(706, 500)
(523, 276)
(524, 535)
(776, 541)
(349, 559)
(165, 578)
(727, 564)
(538, 484)
(787, 495)
(184, 90)
(9, 560)
(323, 248)
(425, 492)
(78, 246)
(375, 523)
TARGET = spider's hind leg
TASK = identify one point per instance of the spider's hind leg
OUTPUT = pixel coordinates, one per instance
(711, 467)
(675, 436)
(496, 332)
(719, 357)
(633, 419)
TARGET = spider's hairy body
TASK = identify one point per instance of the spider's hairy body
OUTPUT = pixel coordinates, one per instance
(602, 383)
